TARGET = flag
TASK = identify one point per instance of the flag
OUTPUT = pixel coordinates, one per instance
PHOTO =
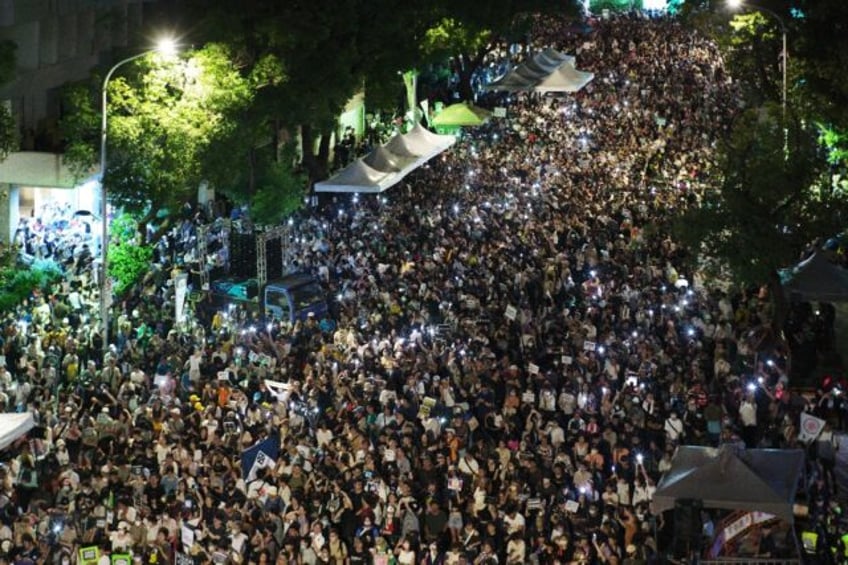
(262, 455)
(811, 427)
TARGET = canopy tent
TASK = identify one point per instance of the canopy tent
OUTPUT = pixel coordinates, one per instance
(357, 177)
(387, 165)
(816, 279)
(731, 478)
(382, 159)
(461, 114)
(13, 426)
(546, 71)
(565, 79)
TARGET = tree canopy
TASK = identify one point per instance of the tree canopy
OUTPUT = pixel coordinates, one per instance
(779, 190)
(163, 117)
(8, 136)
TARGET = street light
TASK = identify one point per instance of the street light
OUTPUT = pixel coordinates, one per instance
(736, 5)
(166, 47)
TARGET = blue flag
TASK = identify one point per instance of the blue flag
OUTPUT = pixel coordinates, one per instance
(262, 455)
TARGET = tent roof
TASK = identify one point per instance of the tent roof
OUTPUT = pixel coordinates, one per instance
(356, 177)
(13, 426)
(546, 71)
(762, 480)
(387, 165)
(381, 159)
(462, 114)
(816, 278)
(565, 79)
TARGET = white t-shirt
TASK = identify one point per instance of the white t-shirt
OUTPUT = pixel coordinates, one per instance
(748, 414)
(514, 523)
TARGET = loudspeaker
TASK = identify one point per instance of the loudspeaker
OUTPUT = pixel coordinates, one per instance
(242, 255)
(687, 527)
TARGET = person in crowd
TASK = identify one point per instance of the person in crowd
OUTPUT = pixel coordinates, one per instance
(507, 344)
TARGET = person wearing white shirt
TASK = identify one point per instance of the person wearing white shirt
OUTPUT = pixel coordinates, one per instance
(673, 428)
(748, 417)
(557, 434)
(514, 521)
(323, 435)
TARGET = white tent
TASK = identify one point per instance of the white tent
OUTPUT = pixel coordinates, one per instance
(384, 160)
(13, 426)
(389, 164)
(546, 71)
(565, 79)
(357, 177)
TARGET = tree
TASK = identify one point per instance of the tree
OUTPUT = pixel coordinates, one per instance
(330, 51)
(767, 208)
(820, 57)
(163, 116)
(129, 257)
(467, 43)
(8, 136)
(468, 31)
(771, 202)
(281, 190)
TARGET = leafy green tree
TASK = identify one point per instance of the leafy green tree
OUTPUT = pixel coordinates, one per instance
(8, 135)
(280, 191)
(468, 31)
(163, 115)
(772, 201)
(330, 50)
(767, 208)
(818, 60)
(19, 282)
(129, 257)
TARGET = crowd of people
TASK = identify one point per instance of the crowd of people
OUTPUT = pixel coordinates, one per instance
(519, 346)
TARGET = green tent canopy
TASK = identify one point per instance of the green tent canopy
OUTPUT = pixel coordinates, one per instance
(460, 115)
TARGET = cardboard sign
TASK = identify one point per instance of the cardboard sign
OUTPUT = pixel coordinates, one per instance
(187, 536)
(89, 555)
(426, 405)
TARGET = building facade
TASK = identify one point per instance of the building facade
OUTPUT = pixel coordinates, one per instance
(57, 42)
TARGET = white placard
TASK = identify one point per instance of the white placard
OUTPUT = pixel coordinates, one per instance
(187, 537)
(533, 369)
(511, 313)
(588, 346)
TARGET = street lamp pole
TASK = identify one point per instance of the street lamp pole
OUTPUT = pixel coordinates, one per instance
(105, 290)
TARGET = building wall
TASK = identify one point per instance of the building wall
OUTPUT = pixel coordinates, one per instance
(59, 41)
